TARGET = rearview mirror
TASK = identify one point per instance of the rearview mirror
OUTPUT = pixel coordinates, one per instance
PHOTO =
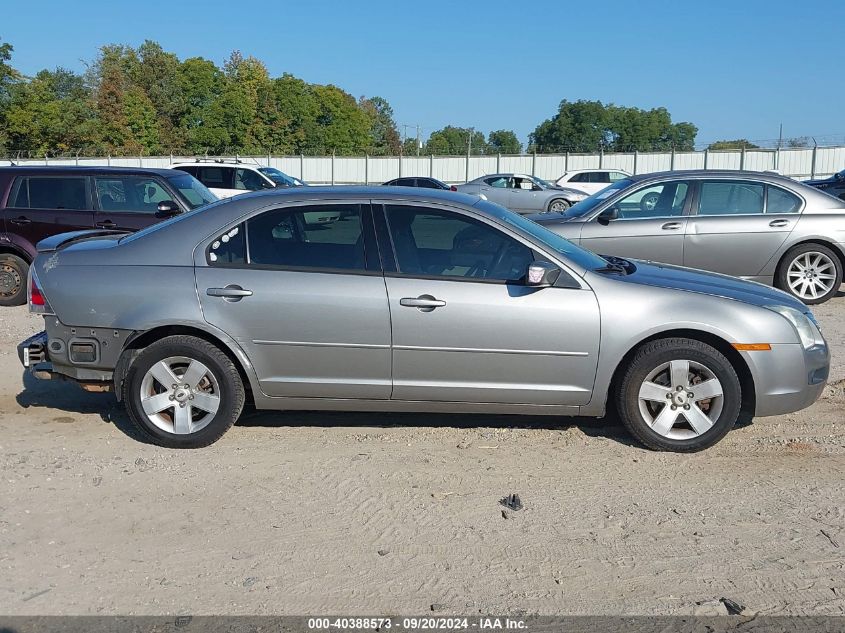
(607, 215)
(167, 208)
(541, 275)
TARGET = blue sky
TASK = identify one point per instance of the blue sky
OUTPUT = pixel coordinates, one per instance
(735, 69)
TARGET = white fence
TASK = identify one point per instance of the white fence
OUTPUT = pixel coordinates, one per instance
(798, 163)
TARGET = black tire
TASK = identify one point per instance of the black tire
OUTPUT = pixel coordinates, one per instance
(13, 276)
(781, 277)
(649, 357)
(563, 205)
(231, 390)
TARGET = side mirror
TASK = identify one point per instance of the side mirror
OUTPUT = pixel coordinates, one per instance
(541, 275)
(167, 208)
(839, 176)
(607, 215)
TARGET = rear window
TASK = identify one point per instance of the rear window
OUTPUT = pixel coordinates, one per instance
(37, 192)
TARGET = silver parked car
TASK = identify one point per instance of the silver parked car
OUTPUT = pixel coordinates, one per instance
(416, 300)
(523, 193)
(757, 226)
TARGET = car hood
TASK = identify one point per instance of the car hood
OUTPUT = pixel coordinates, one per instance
(715, 284)
(818, 181)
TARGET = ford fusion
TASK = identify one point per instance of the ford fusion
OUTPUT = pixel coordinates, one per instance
(413, 300)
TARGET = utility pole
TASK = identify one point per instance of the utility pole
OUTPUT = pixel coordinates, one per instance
(418, 140)
(780, 137)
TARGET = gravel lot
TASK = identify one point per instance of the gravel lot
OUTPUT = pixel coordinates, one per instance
(316, 513)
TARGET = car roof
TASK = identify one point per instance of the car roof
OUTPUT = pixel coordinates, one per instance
(730, 174)
(216, 163)
(82, 170)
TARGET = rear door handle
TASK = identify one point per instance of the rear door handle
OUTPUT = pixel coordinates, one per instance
(229, 293)
(21, 221)
(671, 226)
(425, 303)
(106, 224)
(778, 223)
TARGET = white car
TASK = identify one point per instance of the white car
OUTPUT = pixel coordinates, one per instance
(590, 181)
(227, 178)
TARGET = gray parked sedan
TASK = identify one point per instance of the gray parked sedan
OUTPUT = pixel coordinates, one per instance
(523, 193)
(416, 300)
(757, 226)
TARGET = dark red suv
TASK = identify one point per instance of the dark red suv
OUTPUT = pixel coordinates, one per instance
(37, 202)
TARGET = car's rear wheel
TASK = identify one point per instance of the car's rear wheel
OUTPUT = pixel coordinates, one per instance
(183, 392)
(679, 395)
(810, 272)
(558, 205)
(13, 273)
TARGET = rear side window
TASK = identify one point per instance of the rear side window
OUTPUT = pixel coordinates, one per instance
(730, 198)
(228, 248)
(216, 177)
(327, 237)
(781, 201)
(34, 192)
(188, 169)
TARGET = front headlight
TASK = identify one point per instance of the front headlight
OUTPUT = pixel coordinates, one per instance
(806, 326)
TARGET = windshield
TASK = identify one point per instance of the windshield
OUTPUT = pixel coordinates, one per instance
(192, 190)
(588, 204)
(550, 239)
(545, 184)
(280, 177)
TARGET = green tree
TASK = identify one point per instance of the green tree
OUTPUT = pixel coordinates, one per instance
(589, 126)
(383, 132)
(454, 141)
(50, 113)
(503, 142)
(739, 143)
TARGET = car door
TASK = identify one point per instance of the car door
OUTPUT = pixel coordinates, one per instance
(649, 224)
(129, 202)
(526, 196)
(496, 189)
(306, 303)
(466, 329)
(732, 231)
(41, 206)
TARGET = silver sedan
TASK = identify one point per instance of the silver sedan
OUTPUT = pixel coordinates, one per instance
(523, 193)
(758, 226)
(415, 300)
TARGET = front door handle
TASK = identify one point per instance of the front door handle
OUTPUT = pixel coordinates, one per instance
(21, 221)
(106, 224)
(778, 223)
(229, 293)
(425, 303)
(671, 226)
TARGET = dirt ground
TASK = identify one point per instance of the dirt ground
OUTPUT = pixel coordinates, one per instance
(316, 513)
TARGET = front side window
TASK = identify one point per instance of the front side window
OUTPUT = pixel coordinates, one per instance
(666, 199)
(193, 191)
(730, 198)
(781, 201)
(35, 192)
(431, 242)
(583, 177)
(248, 180)
(130, 194)
(316, 237)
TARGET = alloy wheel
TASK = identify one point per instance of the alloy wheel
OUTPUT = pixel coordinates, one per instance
(180, 395)
(681, 399)
(811, 275)
(558, 206)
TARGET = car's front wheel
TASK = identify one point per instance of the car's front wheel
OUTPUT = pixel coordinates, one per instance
(558, 205)
(183, 392)
(679, 395)
(810, 272)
